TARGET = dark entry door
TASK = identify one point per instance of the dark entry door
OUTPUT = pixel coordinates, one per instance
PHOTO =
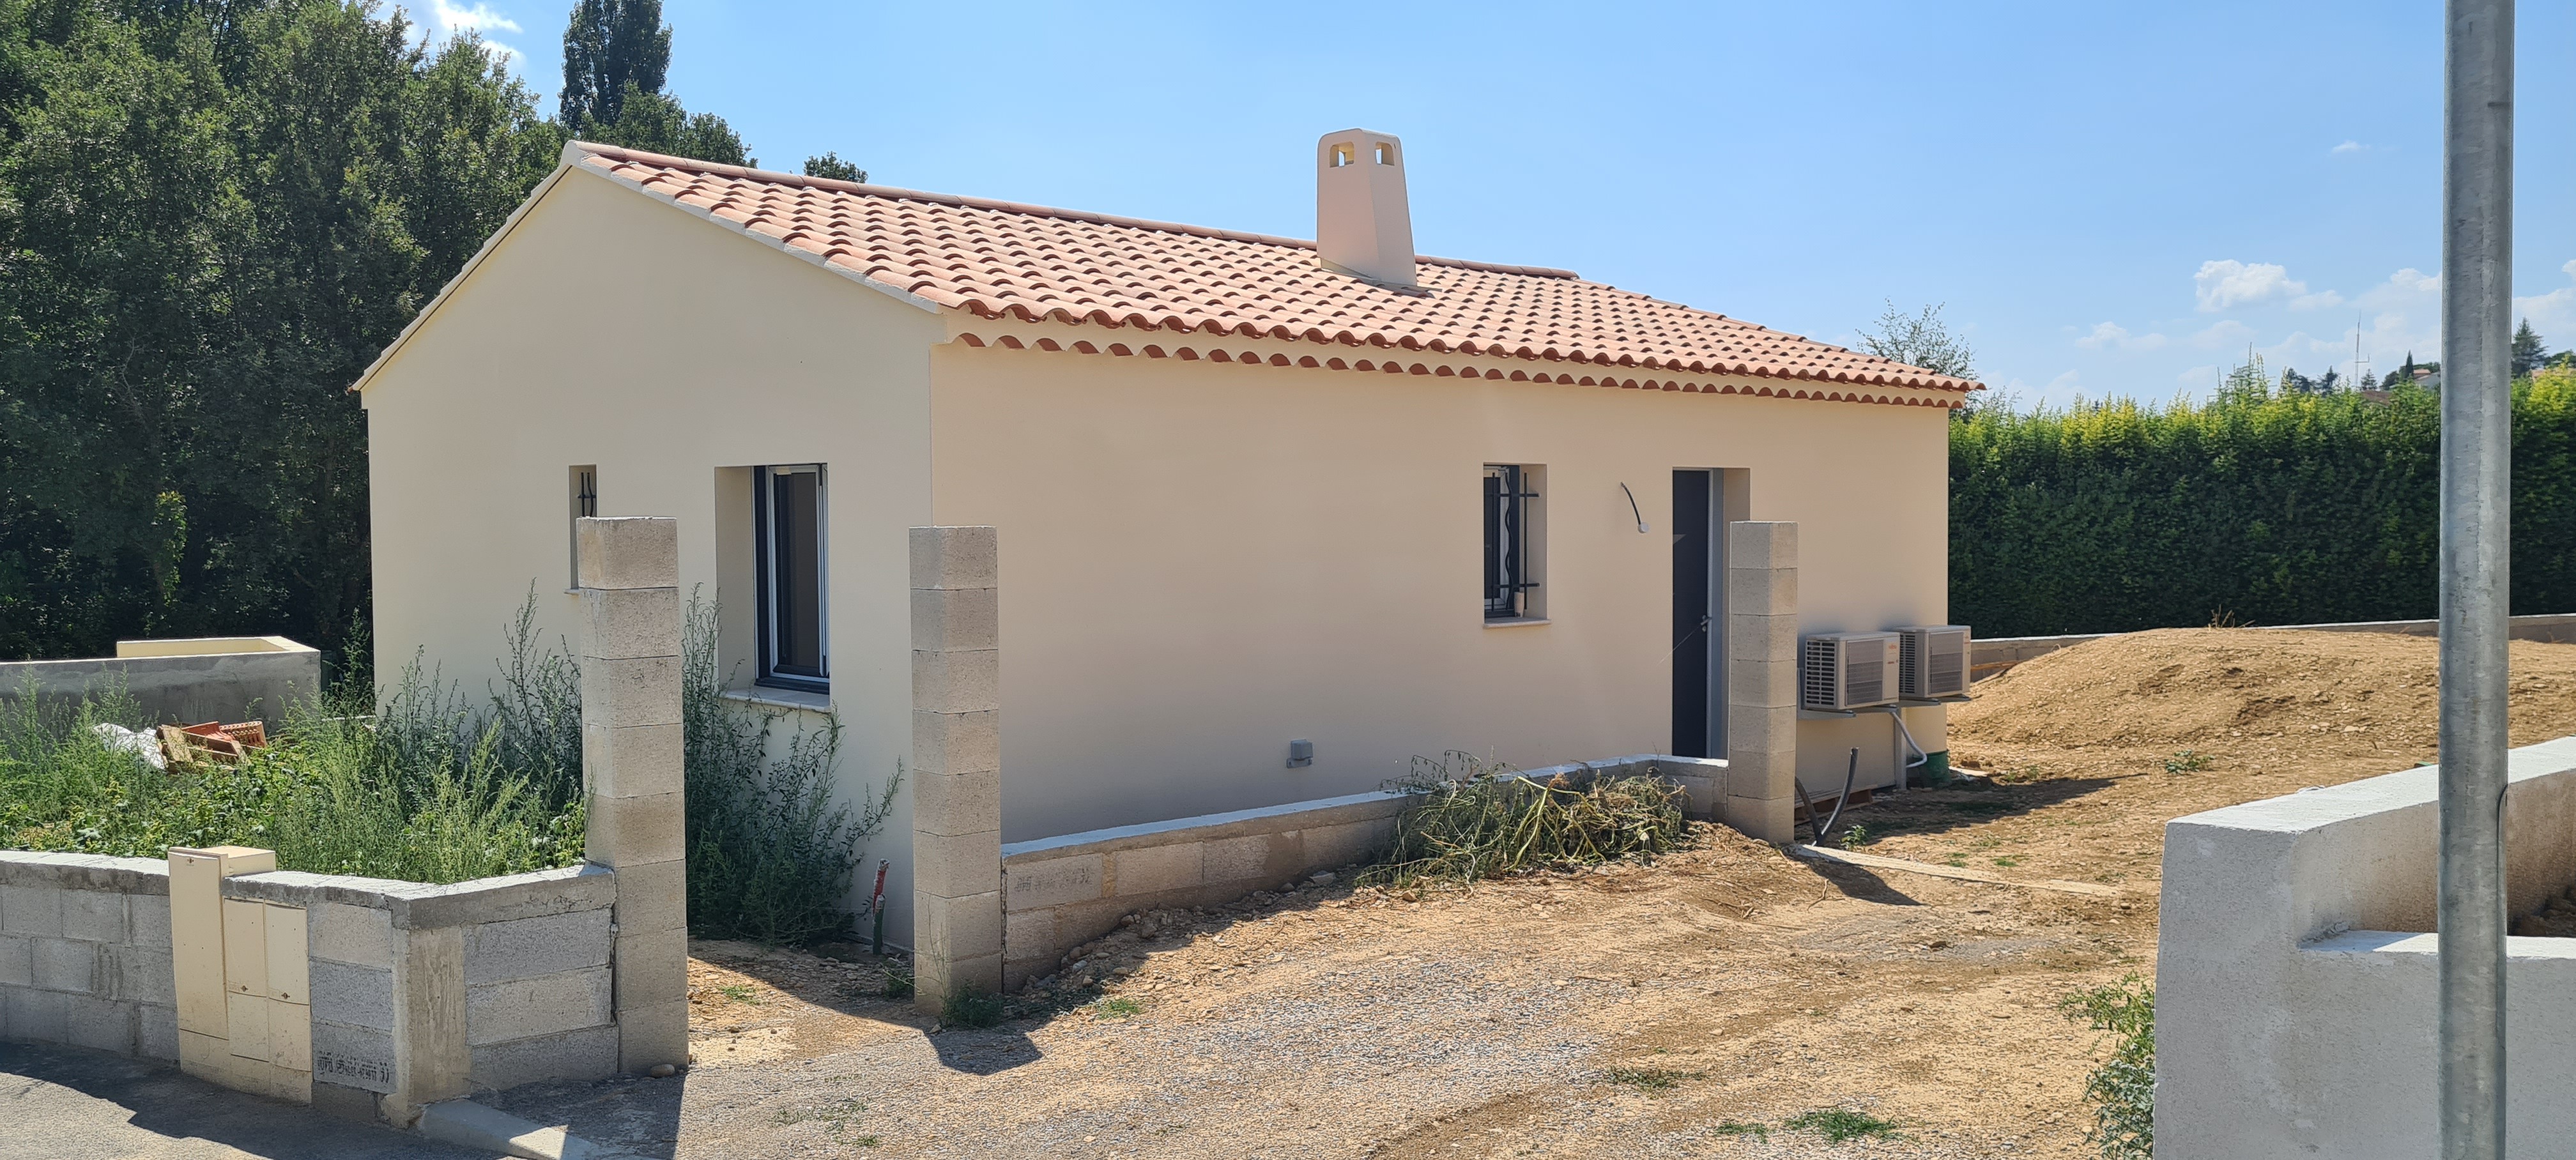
(1694, 620)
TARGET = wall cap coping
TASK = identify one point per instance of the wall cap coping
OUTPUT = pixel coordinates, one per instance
(84, 872)
(1299, 815)
(2315, 809)
(419, 906)
(2517, 948)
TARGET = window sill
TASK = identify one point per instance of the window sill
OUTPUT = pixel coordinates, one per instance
(1516, 622)
(781, 699)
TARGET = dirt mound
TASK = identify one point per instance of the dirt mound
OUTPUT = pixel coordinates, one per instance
(2219, 690)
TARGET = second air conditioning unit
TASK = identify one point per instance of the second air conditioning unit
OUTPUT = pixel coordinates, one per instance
(1847, 670)
(1932, 661)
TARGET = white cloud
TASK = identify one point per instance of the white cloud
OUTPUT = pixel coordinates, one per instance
(446, 19)
(2222, 285)
(2227, 333)
(2349, 147)
(2113, 336)
(452, 19)
(2552, 314)
(2317, 301)
(2199, 377)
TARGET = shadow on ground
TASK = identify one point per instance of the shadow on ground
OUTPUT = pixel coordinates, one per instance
(62, 1103)
(1938, 811)
(626, 1115)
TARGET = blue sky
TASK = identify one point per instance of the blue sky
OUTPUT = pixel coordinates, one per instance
(2108, 202)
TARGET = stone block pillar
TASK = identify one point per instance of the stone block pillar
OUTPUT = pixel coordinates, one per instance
(631, 770)
(1761, 679)
(956, 765)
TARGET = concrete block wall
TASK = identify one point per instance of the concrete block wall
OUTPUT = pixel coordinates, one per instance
(85, 953)
(417, 993)
(1761, 678)
(421, 993)
(2294, 977)
(1058, 893)
(211, 679)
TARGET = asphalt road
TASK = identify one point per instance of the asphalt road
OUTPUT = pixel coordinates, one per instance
(62, 1103)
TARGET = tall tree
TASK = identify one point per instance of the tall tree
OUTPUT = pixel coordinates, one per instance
(2528, 353)
(616, 55)
(657, 123)
(830, 165)
(611, 47)
(1920, 340)
(211, 219)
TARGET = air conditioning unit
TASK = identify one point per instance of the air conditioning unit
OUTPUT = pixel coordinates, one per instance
(1847, 670)
(1932, 661)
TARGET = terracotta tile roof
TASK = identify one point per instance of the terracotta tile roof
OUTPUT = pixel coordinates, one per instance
(1005, 260)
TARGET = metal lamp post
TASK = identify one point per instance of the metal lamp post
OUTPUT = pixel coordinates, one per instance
(2477, 461)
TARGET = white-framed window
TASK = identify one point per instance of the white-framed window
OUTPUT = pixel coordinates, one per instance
(790, 510)
(1511, 541)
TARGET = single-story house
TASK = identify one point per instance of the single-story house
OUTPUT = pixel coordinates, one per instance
(1249, 490)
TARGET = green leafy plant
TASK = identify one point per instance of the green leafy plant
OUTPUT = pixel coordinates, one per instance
(898, 983)
(739, 993)
(2186, 761)
(1841, 1124)
(771, 853)
(1650, 1079)
(1116, 1007)
(1856, 836)
(1739, 1128)
(1478, 820)
(972, 1007)
(2123, 1088)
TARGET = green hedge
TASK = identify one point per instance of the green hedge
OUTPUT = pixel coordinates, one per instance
(2255, 508)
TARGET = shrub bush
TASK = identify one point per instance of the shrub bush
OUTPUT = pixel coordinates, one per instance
(2258, 507)
(770, 853)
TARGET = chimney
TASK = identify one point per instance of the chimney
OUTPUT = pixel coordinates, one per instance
(1362, 224)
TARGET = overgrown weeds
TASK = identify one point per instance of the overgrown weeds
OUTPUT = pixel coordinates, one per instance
(1481, 820)
(1116, 1007)
(771, 853)
(1841, 1124)
(422, 787)
(2123, 1089)
(972, 1007)
(1651, 1079)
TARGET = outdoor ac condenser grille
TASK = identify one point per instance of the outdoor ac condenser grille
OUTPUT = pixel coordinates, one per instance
(1932, 661)
(1847, 670)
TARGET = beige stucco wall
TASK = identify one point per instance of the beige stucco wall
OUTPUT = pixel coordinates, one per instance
(611, 329)
(1203, 561)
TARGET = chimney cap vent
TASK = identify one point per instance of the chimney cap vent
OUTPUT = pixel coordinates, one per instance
(1363, 223)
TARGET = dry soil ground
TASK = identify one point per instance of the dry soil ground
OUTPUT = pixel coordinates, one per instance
(1690, 1008)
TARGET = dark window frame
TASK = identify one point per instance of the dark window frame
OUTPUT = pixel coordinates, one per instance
(1508, 493)
(766, 513)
